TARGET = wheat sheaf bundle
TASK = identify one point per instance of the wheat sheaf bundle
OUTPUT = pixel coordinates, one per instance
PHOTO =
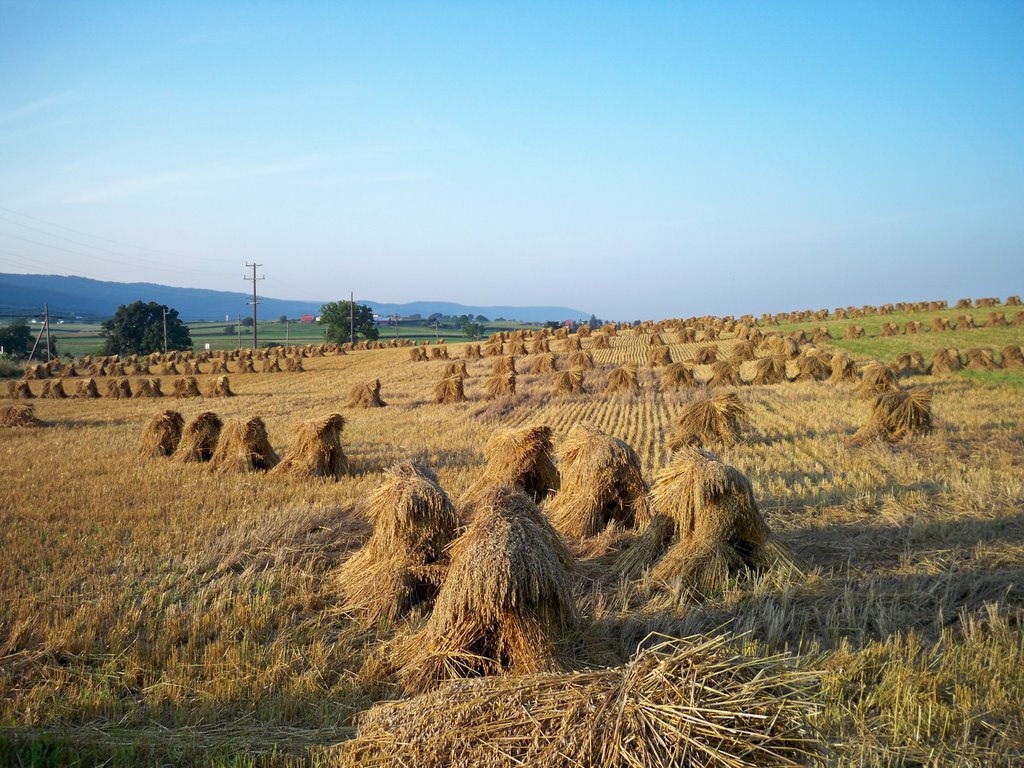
(724, 373)
(365, 396)
(876, 378)
(417, 354)
(706, 355)
(582, 360)
(623, 379)
(981, 359)
(161, 434)
(450, 389)
(186, 387)
(1013, 356)
(770, 370)
(540, 345)
(568, 382)
(473, 352)
(86, 389)
(812, 367)
(504, 364)
(294, 365)
(544, 363)
(498, 384)
(518, 457)
(697, 702)
(946, 361)
(402, 564)
(898, 415)
(243, 447)
(706, 525)
(118, 389)
(199, 438)
(456, 368)
(316, 450)
(658, 356)
(709, 421)
(147, 387)
(600, 341)
(18, 416)
(218, 386)
(53, 389)
(601, 482)
(506, 601)
(843, 369)
(676, 376)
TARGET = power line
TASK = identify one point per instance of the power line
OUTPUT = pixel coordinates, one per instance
(89, 234)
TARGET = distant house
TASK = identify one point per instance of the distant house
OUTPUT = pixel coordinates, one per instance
(307, 318)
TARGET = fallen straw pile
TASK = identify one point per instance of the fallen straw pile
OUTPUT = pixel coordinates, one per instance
(601, 481)
(316, 451)
(199, 438)
(161, 435)
(18, 416)
(365, 396)
(697, 702)
(505, 604)
(244, 447)
(402, 564)
(898, 415)
(709, 421)
(519, 457)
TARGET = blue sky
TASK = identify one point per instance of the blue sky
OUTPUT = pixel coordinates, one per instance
(635, 160)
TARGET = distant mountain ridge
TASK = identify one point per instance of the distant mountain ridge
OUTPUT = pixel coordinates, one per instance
(82, 296)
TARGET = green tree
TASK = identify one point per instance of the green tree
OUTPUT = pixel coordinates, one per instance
(335, 316)
(138, 329)
(472, 331)
(16, 339)
(282, 319)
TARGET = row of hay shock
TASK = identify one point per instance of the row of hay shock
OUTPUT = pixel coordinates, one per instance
(243, 445)
(121, 389)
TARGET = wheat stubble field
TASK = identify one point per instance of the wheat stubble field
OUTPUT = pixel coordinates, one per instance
(156, 612)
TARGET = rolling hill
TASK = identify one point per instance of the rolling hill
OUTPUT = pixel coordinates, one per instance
(87, 298)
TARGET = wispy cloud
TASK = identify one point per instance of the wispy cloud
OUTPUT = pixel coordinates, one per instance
(18, 113)
(218, 173)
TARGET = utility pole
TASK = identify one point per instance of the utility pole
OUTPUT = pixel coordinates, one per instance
(437, 335)
(32, 354)
(352, 316)
(165, 330)
(254, 302)
(395, 318)
(238, 328)
(46, 325)
(287, 332)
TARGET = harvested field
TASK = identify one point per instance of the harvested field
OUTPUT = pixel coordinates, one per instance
(158, 612)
